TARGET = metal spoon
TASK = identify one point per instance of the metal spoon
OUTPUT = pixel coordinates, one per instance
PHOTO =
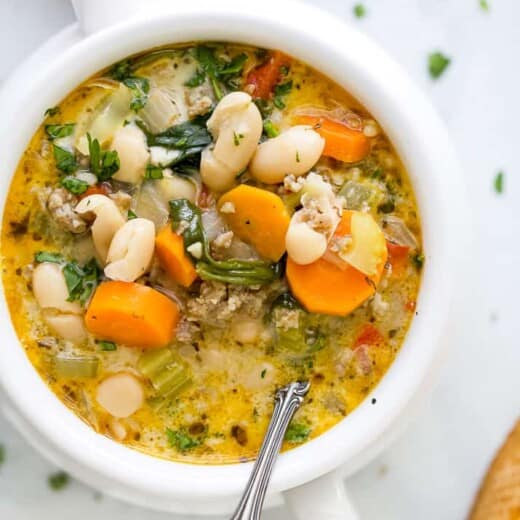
(287, 400)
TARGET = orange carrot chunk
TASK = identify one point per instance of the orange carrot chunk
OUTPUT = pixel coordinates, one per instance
(132, 314)
(369, 335)
(258, 217)
(169, 248)
(326, 288)
(341, 142)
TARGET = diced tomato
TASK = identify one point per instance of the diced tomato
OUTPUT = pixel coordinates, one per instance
(266, 76)
(397, 257)
(97, 189)
(410, 305)
(369, 335)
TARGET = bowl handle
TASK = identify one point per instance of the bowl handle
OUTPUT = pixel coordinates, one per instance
(324, 498)
(94, 15)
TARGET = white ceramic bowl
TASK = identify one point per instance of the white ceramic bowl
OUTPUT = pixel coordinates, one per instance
(357, 64)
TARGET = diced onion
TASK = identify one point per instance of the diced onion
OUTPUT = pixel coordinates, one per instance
(396, 231)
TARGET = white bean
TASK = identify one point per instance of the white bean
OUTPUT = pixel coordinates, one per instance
(304, 245)
(69, 326)
(293, 152)
(51, 293)
(173, 187)
(121, 395)
(236, 126)
(108, 221)
(130, 144)
(131, 250)
(246, 330)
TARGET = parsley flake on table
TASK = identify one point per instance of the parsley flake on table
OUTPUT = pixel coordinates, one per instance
(437, 63)
(58, 481)
(484, 5)
(2, 454)
(359, 11)
(498, 183)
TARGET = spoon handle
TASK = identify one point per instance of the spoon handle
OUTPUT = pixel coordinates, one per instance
(287, 400)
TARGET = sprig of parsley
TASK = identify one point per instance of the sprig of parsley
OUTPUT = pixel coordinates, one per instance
(74, 185)
(65, 160)
(103, 163)
(58, 131)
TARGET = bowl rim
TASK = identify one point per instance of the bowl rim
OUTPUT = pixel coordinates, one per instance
(422, 143)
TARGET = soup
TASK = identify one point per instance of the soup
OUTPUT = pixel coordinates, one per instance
(197, 226)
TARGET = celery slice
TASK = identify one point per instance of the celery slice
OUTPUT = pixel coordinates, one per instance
(168, 373)
(72, 366)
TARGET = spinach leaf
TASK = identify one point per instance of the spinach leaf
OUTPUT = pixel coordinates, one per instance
(102, 163)
(81, 281)
(120, 71)
(219, 72)
(57, 131)
(187, 220)
(74, 185)
(181, 440)
(140, 88)
(280, 91)
(297, 433)
(44, 256)
(190, 137)
(65, 160)
(153, 172)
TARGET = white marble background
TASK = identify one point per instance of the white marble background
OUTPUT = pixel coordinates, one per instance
(434, 470)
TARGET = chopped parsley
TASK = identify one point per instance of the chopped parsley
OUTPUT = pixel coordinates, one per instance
(81, 280)
(74, 185)
(58, 131)
(131, 215)
(270, 130)
(65, 160)
(498, 183)
(237, 137)
(181, 441)
(418, 260)
(359, 11)
(297, 156)
(262, 374)
(297, 433)
(280, 91)
(153, 172)
(58, 481)
(44, 256)
(140, 88)
(52, 111)
(484, 5)
(107, 346)
(103, 163)
(437, 63)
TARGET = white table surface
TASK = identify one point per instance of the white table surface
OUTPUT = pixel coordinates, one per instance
(434, 470)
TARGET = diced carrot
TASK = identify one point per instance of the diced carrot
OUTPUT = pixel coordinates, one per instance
(266, 76)
(397, 257)
(326, 288)
(259, 217)
(169, 248)
(410, 305)
(131, 314)
(97, 189)
(341, 142)
(369, 335)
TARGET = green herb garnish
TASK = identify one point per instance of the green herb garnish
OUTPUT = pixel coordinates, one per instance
(297, 433)
(52, 111)
(131, 215)
(140, 88)
(58, 131)
(107, 346)
(74, 185)
(280, 91)
(65, 160)
(81, 280)
(359, 11)
(263, 372)
(437, 63)
(498, 183)
(418, 260)
(270, 130)
(102, 163)
(236, 138)
(58, 481)
(484, 5)
(44, 256)
(120, 71)
(153, 172)
(181, 440)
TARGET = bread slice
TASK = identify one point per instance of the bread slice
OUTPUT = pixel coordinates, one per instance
(499, 495)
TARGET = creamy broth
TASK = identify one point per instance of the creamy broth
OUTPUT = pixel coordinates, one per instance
(198, 383)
